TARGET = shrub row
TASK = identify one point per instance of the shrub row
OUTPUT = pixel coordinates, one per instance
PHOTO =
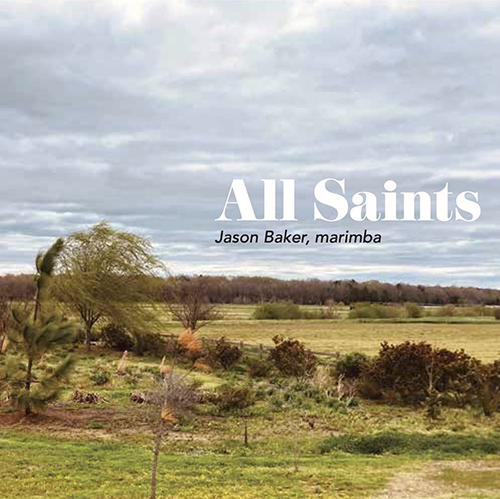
(412, 443)
(418, 373)
(408, 373)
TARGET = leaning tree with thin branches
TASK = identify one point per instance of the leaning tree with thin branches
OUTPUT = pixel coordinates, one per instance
(106, 274)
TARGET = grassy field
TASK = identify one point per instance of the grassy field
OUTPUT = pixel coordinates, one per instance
(94, 469)
(104, 451)
(242, 312)
(297, 446)
(479, 336)
(480, 340)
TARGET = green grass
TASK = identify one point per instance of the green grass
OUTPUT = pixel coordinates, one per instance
(473, 478)
(104, 451)
(36, 466)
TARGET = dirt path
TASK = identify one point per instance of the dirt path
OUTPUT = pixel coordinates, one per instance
(425, 484)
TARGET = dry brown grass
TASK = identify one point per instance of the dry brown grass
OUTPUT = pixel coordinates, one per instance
(480, 340)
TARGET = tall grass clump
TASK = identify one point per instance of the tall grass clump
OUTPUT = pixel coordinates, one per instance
(376, 311)
(278, 311)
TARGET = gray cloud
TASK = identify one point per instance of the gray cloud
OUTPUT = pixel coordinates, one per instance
(142, 114)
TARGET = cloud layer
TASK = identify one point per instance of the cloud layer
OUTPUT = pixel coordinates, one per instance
(142, 114)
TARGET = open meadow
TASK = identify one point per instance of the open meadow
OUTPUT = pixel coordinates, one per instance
(301, 443)
(479, 336)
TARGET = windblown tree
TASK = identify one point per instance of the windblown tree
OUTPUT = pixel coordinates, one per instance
(188, 302)
(36, 332)
(105, 274)
(45, 265)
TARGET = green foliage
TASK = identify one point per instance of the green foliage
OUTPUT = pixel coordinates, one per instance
(278, 311)
(117, 337)
(107, 274)
(352, 365)
(376, 311)
(222, 353)
(152, 343)
(33, 341)
(100, 376)
(413, 310)
(412, 443)
(445, 311)
(476, 311)
(292, 358)
(33, 337)
(233, 398)
(497, 313)
(45, 263)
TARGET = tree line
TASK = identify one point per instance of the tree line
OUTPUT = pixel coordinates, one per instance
(252, 290)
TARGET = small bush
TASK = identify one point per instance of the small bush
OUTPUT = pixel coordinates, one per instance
(362, 312)
(352, 365)
(497, 313)
(487, 388)
(292, 358)
(223, 354)
(278, 311)
(100, 376)
(376, 311)
(476, 311)
(405, 371)
(117, 337)
(259, 368)
(369, 389)
(445, 311)
(234, 398)
(151, 343)
(413, 310)
(133, 375)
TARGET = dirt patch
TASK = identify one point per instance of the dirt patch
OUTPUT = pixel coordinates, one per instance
(97, 422)
(422, 484)
(68, 418)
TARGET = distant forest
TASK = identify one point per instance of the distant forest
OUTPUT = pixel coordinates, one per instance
(220, 289)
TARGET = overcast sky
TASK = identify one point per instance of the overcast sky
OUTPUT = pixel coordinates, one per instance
(142, 112)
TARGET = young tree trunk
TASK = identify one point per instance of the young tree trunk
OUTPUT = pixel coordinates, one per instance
(156, 454)
(88, 331)
(3, 343)
(29, 376)
(29, 370)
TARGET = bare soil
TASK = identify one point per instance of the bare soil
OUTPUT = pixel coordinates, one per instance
(422, 483)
